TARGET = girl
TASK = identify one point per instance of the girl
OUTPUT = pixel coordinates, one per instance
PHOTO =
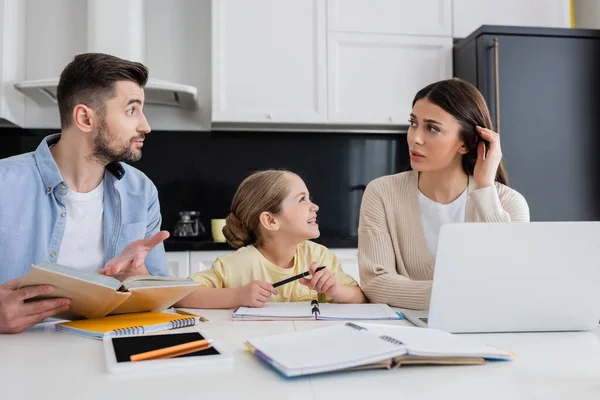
(271, 221)
(457, 176)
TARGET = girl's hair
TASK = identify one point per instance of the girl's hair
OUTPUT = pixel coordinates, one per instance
(262, 191)
(465, 103)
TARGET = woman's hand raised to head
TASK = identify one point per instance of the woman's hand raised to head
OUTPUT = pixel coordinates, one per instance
(487, 161)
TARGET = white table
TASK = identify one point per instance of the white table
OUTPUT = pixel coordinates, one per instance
(41, 363)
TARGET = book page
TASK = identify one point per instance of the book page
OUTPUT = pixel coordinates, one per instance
(356, 311)
(155, 278)
(277, 310)
(128, 284)
(432, 342)
(79, 274)
(152, 298)
(325, 349)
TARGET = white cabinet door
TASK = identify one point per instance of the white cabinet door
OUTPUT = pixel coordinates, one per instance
(179, 263)
(468, 15)
(12, 61)
(203, 260)
(422, 17)
(349, 260)
(269, 61)
(373, 79)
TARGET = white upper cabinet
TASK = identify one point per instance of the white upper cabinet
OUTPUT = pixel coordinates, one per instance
(374, 78)
(422, 17)
(468, 15)
(12, 61)
(269, 61)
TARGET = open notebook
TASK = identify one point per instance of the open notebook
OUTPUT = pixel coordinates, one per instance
(127, 324)
(314, 310)
(368, 346)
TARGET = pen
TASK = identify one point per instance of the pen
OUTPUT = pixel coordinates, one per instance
(293, 278)
(173, 351)
(183, 312)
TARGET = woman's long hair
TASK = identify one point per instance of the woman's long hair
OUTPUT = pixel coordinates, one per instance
(465, 103)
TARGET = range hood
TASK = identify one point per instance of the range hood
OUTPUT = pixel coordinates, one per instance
(123, 36)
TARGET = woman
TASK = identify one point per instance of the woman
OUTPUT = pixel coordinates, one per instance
(457, 176)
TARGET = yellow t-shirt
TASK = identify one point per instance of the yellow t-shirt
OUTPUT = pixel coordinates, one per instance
(248, 264)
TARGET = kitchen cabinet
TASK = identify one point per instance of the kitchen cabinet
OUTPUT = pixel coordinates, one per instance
(187, 263)
(417, 18)
(179, 263)
(269, 61)
(12, 62)
(373, 79)
(468, 15)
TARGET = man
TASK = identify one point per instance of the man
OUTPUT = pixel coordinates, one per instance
(72, 201)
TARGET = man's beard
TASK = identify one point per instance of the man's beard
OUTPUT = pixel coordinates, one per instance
(107, 147)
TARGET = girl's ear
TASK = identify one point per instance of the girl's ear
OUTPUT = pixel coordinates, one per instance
(463, 149)
(268, 221)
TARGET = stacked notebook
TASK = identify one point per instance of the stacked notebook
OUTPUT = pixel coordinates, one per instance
(126, 324)
(368, 346)
(315, 311)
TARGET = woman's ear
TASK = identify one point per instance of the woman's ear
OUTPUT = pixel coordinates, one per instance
(463, 148)
(268, 221)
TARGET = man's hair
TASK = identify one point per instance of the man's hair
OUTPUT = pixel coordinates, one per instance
(90, 79)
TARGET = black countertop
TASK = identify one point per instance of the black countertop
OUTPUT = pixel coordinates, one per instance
(188, 244)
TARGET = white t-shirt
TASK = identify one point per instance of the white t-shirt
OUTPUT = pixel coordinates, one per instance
(82, 244)
(434, 215)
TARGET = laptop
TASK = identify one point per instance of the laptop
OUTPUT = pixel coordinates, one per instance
(515, 277)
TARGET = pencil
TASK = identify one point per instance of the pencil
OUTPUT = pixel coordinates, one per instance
(183, 312)
(295, 277)
(173, 351)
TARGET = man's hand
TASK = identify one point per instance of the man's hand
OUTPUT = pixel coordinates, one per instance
(16, 315)
(131, 260)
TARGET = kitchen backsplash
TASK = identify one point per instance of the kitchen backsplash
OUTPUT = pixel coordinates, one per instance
(201, 170)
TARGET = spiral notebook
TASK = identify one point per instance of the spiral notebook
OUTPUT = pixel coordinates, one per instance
(352, 346)
(315, 311)
(127, 324)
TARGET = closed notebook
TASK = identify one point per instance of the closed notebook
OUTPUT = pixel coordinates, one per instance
(127, 324)
(353, 346)
(315, 311)
(93, 295)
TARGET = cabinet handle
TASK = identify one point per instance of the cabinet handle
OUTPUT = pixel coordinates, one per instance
(495, 46)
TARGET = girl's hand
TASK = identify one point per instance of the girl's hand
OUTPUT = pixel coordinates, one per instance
(487, 161)
(255, 294)
(322, 281)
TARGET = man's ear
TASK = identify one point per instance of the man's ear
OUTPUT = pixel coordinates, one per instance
(268, 221)
(84, 118)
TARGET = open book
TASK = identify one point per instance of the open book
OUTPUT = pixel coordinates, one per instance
(93, 295)
(314, 310)
(368, 346)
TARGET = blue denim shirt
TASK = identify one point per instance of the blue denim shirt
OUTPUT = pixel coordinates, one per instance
(31, 203)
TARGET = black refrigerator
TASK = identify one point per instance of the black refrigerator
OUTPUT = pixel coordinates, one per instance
(542, 86)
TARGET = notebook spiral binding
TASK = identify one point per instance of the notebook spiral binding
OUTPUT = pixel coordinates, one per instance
(183, 322)
(354, 326)
(139, 330)
(131, 330)
(391, 340)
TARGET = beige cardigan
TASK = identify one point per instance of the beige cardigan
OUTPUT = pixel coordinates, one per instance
(395, 265)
